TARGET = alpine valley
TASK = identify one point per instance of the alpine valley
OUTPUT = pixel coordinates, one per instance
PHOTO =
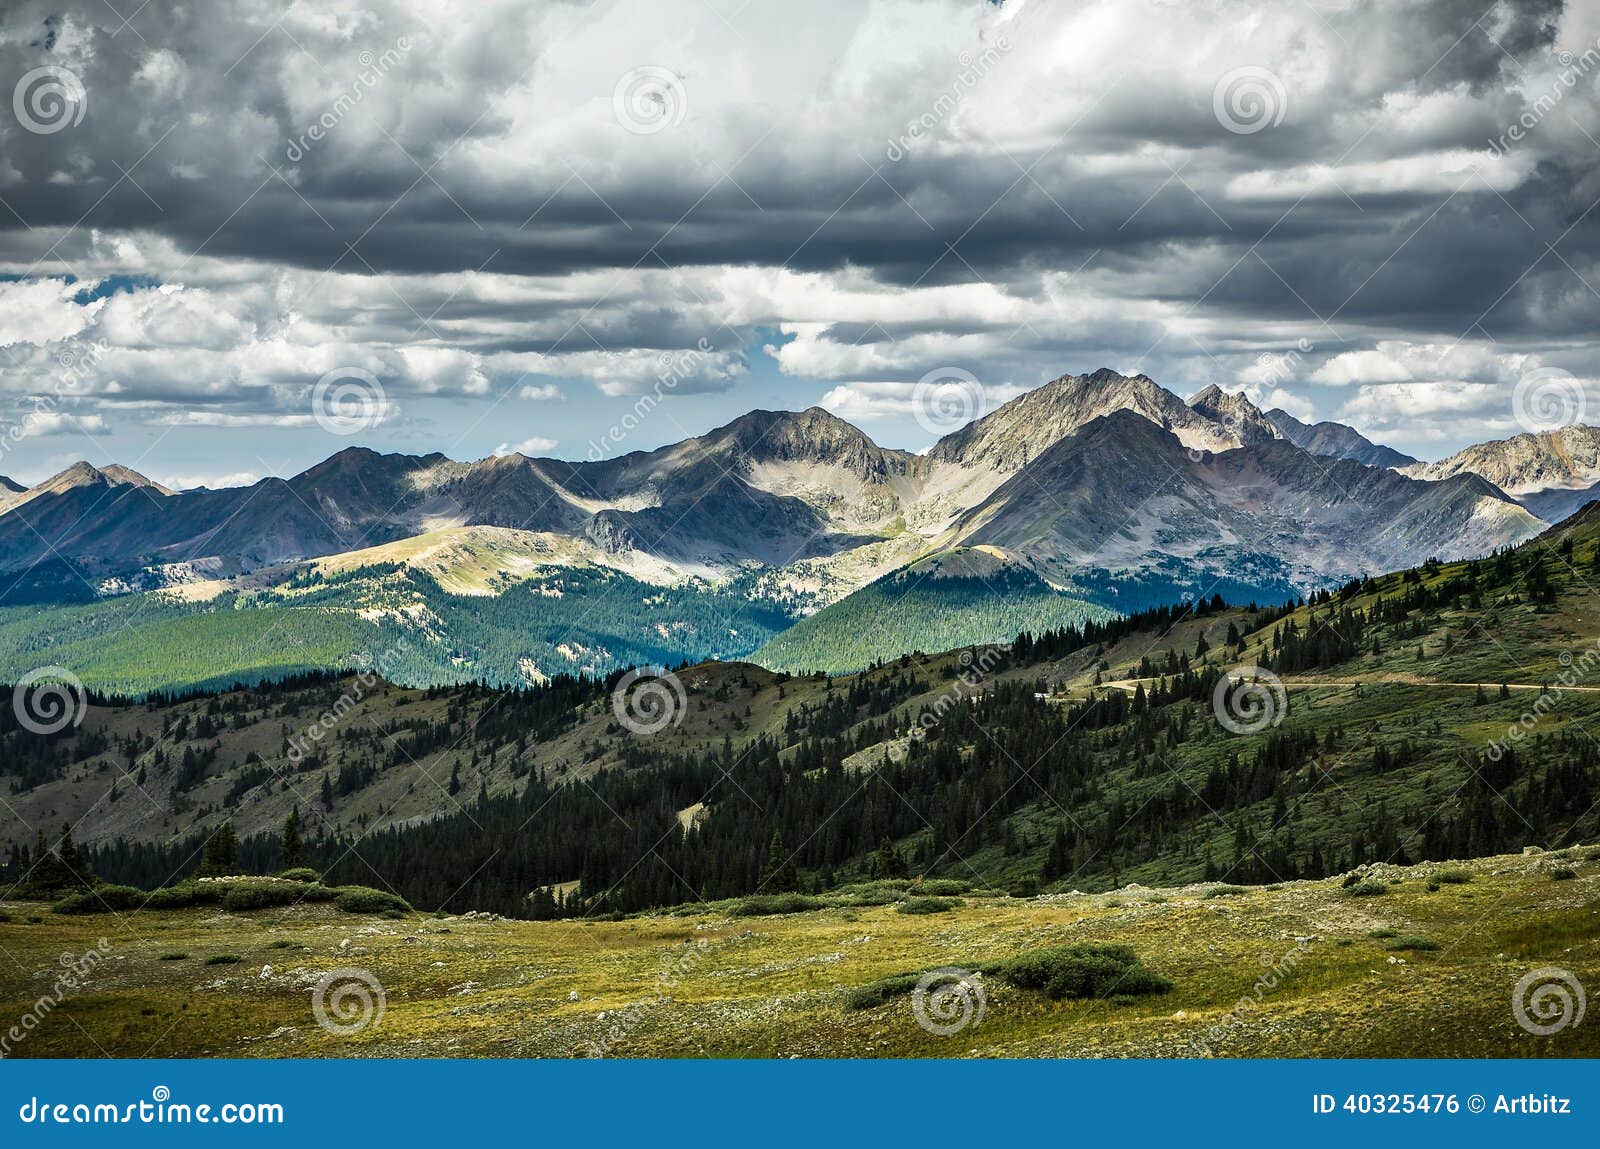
(1090, 496)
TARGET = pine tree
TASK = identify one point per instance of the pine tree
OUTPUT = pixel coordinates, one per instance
(294, 851)
(778, 875)
(221, 854)
(889, 863)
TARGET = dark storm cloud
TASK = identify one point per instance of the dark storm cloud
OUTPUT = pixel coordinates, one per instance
(378, 143)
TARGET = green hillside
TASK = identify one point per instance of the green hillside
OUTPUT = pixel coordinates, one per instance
(1431, 714)
(961, 598)
(579, 620)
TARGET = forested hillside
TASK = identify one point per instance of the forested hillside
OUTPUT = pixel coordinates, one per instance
(1432, 713)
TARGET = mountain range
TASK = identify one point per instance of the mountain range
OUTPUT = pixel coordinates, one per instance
(1107, 491)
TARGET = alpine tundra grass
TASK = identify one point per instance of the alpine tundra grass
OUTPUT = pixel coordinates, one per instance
(1298, 970)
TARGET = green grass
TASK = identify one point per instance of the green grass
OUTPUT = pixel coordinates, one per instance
(783, 984)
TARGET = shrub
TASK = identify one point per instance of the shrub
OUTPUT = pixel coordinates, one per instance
(873, 898)
(393, 915)
(174, 957)
(1563, 874)
(879, 893)
(101, 899)
(1452, 877)
(260, 895)
(928, 905)
(1080, 972)
(942, 887)
(880, 991)
(763, 905)
(1226, 891)
(1367, 890)
(222, 959)
(171, 897)
(1025, 888)
(365, 900)
(284, 944)
(1592, 856)
(1412, 942)
(300, 874)
(1386, 932)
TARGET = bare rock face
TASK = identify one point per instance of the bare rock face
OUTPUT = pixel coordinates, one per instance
(1335, 440)
(1568, 459)
(1235, 413)
(1022, 429)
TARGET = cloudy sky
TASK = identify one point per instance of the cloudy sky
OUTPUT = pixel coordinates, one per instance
(240, 235)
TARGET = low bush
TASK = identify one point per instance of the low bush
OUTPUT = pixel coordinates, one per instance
(261, 895)
(1080, 972)
(171, 897)
(872, 898)
(1226, 891)
(365, 900)
(764, 905)
(1563, 874)
(1385, 932)
(880, 991)
(300, 874)
(174, 957)
(1088, 971)
(101, 900)
(1452, 877)
(1367, 890)
(1412, 942)
(928, 905)
(942, 887)
(223, 959)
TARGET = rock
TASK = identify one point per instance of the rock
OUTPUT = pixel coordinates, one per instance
(345, 944)
(1530, 851)
(573, 996)
(266, 971)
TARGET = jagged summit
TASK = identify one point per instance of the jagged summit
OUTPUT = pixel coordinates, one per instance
(1335, 440)
(1566, 458)
(1235, 412)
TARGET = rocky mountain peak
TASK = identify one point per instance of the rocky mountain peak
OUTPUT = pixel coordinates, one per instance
(1568, 457)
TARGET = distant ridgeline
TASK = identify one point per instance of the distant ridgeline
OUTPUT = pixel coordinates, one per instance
(1130, 781)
